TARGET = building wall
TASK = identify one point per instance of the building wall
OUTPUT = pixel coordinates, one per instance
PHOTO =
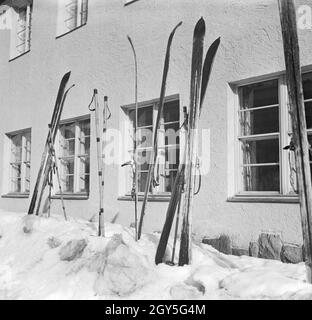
(99, 56)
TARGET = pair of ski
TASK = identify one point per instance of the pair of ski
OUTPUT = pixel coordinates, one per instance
(46, 163)
(185, 179)
(186, 171)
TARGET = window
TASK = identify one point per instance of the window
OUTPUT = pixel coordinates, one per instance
(168, 142)
(71, 15)
(74, 156)
(21, 28)
(20, 150)
(259, 136)
(264, 130)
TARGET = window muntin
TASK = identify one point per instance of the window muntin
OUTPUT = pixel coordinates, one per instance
(20, 152)
(168, 143)
(72, 14)
(74, 156)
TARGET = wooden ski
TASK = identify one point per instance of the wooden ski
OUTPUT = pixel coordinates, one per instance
(192, 137)
(49, 162)
(135, 151)
(45, 155)
(155, 140)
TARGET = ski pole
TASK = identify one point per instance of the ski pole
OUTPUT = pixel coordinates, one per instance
(101, 231)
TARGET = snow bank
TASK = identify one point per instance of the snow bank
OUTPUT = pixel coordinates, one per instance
(51, 258)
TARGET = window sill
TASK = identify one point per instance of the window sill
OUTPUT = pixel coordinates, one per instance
(15, 195)
(72, 196)
(20, 55)
(70, 31)
(151, 198)
(265, 198)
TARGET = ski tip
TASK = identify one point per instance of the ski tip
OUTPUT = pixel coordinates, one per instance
(200, 27)
(178, 25)
(66, 76)
(217, 41)
(105, 98)
(214, 46)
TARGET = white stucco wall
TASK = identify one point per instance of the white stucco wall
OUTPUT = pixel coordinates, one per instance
(99, 56)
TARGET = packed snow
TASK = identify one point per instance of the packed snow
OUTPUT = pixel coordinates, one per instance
(49, 258)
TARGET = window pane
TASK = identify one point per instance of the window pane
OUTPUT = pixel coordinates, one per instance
(84, 11)
(308, 113)
(260, 121)
(260, 151)
(144, 159)
(142, 176)
(264, 178)
(84, 165)
(68, 148)
(27, 147)
(16, 171)
(84, 183)
(145, 137)
(69, 131)
(171, 111)
(260, 94)
(84, 137)
(172, 158)
(310, 142)
(27, 178)
(21, 31)
(84, 128)
(71, 14)
(68, 183)
(169, 180)
(16, 185)
(172, 133)
(145, 116)
(307, 85)
(16, 148)
(85, 145)
(68, 166)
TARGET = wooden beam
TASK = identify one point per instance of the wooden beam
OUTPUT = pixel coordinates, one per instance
(297, 112)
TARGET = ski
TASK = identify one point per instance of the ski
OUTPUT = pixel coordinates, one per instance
(191, 147)
(45, 155)
(154, 154)
(177, 189)
(48, 165)
(210, 56)
(135, 151)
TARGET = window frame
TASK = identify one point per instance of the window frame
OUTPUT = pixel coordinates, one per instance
(61, 29)
(14, 52)
(158, 193)
(77, 158)
(286, 192)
